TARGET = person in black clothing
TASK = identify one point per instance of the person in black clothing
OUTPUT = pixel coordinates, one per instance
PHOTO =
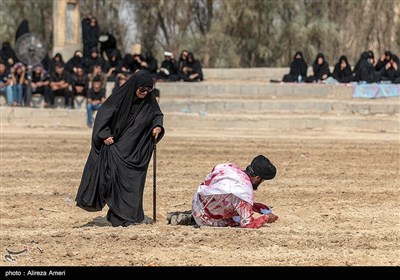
(320, 69)
(365, 71)
(60, 85)
(80, 84)
(342, 71)
(385, 59)
(182, 61)
(108, 43)
(298, 70)
(40, 83)
(391, 71)
(8, 54)
(57, 59)
(192, 71)
(150, 64)
(169, 68)
(125, 128)
(74, 62)
(113, 65)
(95, 98)
(90, 34)
(94, 59)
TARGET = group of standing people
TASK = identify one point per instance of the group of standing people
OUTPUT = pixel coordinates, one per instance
(367, 69)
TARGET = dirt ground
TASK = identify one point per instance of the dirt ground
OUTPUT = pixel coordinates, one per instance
(338, 201)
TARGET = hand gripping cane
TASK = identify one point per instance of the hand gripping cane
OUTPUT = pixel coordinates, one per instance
(154, 180)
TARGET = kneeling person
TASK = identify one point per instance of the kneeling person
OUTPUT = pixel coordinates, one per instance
(226, 197)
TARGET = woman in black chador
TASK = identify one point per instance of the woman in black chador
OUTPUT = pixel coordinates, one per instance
(320, 69)
(298, 70)
(122, 144)
(342, 71)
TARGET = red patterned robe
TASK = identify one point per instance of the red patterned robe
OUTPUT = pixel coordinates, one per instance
(225, 197)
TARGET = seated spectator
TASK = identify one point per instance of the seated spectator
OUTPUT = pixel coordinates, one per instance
(8, 53)
(74, 62)
(108, 44)
(96, 71)
(168, 69)
(182, 60)
(298, 70)
(6, 82)
(57, 59)
(18, 78)
(113, 64)
(391, 71)
(60, 85)
(94, 59)
(150, 64)
(80, 84)
(192, 71)
(365, 71)
(342, 72)
(383, 60)
(95, 98)
(320, 69)
(40, 83)
(122, 77)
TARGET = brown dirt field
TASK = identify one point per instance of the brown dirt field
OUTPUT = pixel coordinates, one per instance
(338, 199)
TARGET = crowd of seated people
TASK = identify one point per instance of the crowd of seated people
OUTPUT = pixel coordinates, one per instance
(367, 70)
(100, 59)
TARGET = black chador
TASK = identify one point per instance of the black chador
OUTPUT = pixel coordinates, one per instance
(115, 174)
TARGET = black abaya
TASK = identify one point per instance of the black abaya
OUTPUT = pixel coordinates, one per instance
(115, 175)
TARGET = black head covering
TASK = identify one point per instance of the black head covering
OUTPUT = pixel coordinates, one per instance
(127, 94)
(263, 167)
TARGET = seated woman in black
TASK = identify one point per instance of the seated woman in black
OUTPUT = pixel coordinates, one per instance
(320, 69)
(391, 71)
(192, 71)
(365, 72)
(342, 72)
(298, 69)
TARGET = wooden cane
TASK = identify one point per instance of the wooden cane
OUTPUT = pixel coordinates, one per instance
(154, 181)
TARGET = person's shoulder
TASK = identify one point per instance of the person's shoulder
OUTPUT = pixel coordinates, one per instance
(227, 165)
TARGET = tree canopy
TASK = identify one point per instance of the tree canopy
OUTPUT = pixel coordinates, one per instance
(234, 33)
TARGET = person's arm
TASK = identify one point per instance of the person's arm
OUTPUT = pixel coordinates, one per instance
(245, 211)
(158, 128)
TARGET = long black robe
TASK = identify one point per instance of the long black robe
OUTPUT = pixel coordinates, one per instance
(90, 36)
(115, 175)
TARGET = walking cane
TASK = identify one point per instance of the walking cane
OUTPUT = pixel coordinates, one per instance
(154, 180)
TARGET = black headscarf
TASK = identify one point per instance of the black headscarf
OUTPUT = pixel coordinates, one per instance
(123, 98)
(263, 167)
(298, 66)
(120, 121)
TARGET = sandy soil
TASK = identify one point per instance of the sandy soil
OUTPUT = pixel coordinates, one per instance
(338, 201)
